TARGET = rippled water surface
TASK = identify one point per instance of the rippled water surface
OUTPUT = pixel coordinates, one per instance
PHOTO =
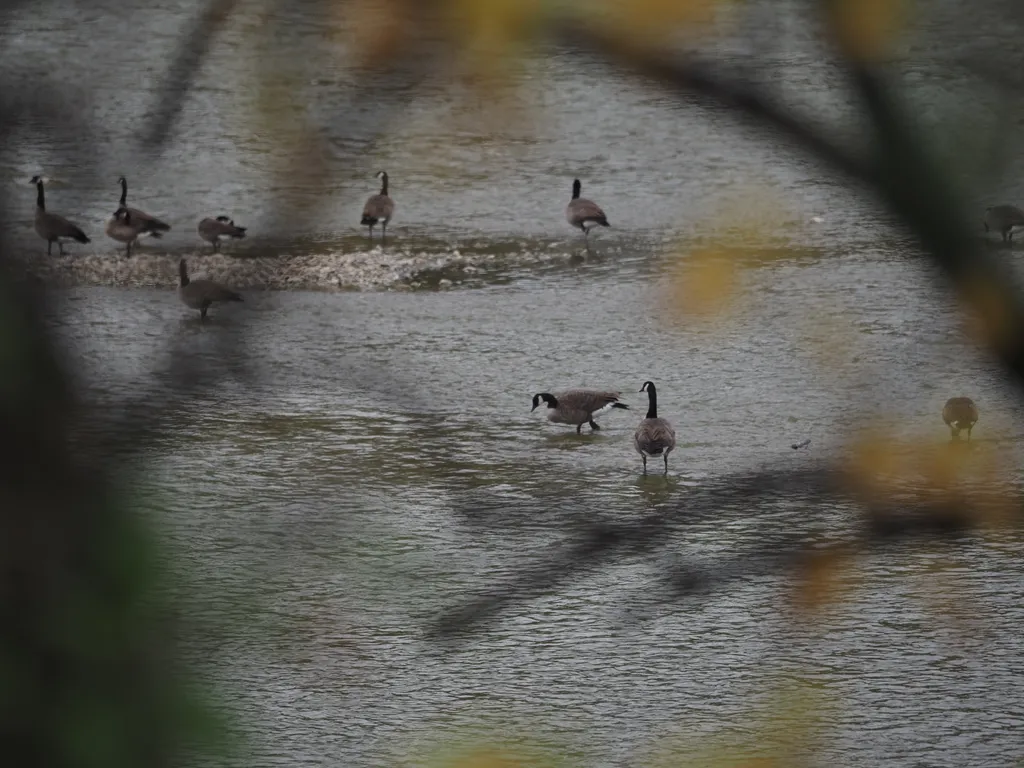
(366, 461)
(381, 465)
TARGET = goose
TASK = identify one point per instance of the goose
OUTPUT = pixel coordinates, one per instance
(148, 225)
(960, 413)
(654, 436)
(124, 228)
(212, 230)
(379, 208)
(578, 406)
(51, 227)
(583, 213)
(1003, 218)
(200, 294)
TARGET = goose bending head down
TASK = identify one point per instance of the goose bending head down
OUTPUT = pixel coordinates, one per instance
(578, 406)
(148, 226)
(51, 227)
(379, 208)
(200, 294)
(960, 413)
(584, 214)
(212, 230)
(654, 436)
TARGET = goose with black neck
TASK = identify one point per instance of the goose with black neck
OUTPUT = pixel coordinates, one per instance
(201, 294)
(51, 227)
(654, 436)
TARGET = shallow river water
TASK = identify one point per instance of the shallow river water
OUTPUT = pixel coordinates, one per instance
(367, 461)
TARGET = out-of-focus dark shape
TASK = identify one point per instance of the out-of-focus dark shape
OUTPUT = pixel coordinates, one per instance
(1003, 218)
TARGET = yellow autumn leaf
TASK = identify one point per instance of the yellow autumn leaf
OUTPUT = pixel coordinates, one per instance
(953, 482)
(989, 316)
(879, 466)
(488, 30)
(821, 578)
(373, 31)
(703, 283)
(487, 758)
(653, 20)
(778, 733)
(866, 29)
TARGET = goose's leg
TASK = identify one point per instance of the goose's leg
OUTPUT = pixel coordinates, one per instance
(593, 426)
(49, 247)
(60, 247)
(202, 311)
(383, 232)
(969, 433)
(666, 463)
(579, 428)
(371, 233)
(645, 462)
(216, 244)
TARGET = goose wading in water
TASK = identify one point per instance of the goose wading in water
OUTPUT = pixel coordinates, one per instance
(1003, 218)
(212, 230)
(124, 228)
(577, 406)
(200, 294)
(960, 413)
(654, 436)
(379, 208)
(148, 226)
(583, 213)
(51, 227)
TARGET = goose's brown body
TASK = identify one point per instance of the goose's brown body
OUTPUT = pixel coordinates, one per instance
(654, 436)
(960, 413)
(51, 227)
(201, 294)
(212, 230)
(577, 406)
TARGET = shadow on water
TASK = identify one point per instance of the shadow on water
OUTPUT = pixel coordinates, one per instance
(570, 440)
(656, 488)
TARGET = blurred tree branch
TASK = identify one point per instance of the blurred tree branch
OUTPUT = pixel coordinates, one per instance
(177, 83)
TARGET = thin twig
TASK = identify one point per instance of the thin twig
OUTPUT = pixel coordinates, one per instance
(747, 102)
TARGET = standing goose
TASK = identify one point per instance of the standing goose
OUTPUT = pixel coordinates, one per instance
(654, 436)
(1003, 218)
(51, 227)
(200, 294)
(148, 225)
(578, 406)
(124, 228)
(379, 208)
(212, 230)
(583, 213)
(960, 413)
